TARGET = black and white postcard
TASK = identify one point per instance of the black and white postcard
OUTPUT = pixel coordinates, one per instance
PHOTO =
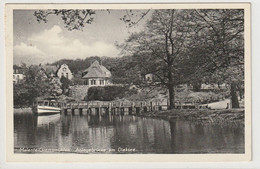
(128, 82)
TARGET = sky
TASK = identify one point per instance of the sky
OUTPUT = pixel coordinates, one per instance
(36, 43)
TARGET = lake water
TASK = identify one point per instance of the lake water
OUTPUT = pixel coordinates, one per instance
(121, 134)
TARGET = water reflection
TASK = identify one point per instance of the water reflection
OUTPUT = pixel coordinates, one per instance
(145, 135)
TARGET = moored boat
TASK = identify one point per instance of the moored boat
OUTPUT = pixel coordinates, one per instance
(46, 106)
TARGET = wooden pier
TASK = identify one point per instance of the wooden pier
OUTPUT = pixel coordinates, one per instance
(118, 108)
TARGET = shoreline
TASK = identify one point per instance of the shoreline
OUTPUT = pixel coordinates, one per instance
(201, 116)
(22, 110)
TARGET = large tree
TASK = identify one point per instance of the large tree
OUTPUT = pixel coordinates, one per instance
(218, 47)
(160, 48)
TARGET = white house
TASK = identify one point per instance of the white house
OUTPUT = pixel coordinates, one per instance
(148, 77)
(64, 71)
(96, 75)
(18, 74)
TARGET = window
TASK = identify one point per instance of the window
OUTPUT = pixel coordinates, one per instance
(13, 76)
(64, 69)
(101, 82)
(46, 103)
(67, 75)
(40, 103)
(93, 82)
(62, 74)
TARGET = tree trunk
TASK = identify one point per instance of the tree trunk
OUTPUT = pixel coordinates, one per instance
(171, 97)
(233, 93)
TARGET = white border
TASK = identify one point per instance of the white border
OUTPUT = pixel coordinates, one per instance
(252, 164)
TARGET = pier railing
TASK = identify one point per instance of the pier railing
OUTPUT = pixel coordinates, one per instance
(127, 104)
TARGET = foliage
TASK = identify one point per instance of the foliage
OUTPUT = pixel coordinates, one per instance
(218, 48)
(77, 19)
(190, 46)
(108, 93)
(73, 19)
(36, 84)
(160, 48)
(65, 83)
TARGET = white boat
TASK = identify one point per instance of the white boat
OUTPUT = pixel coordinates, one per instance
(46, 106)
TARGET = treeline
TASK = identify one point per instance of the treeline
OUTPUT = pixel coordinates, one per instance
(37, 84)
(124, 70)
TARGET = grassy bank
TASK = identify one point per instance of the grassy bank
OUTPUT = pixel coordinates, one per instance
(22, 110)
(202, 116)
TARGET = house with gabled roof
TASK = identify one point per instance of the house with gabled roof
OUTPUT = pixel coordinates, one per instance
(57, 71)
(96, 75)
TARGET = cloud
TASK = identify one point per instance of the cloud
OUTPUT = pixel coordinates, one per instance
(28, 54)
(51, 36)
(28, 50)
(54, 42)
(77, 49)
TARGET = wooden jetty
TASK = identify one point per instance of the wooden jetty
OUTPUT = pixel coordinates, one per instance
(117, 107)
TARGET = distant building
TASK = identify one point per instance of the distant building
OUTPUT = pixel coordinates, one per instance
(96, 75)
(18, 74)
(148, 77)
(213, 86)
(64, 71)
(57, 71)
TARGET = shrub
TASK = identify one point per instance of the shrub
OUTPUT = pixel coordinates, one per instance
(108, 93)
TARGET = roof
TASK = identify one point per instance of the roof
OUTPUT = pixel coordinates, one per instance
(96, 70)
(50, 69)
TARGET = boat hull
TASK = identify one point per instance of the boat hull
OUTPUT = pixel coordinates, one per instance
(41, 110)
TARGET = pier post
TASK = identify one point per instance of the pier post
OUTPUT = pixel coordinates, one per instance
(80, 111)
(160, 107)
(88, 111)
(107, 110)
(65, 111)
(72, 111)
(141, 108)
(93, 111)
(97, 111)
(130, 110)
(117, 110)
(110, 108)
(145, 109)
(151, 106)
(122, 111)
(137, 110)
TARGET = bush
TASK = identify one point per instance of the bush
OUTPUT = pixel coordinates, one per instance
(108, 93)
